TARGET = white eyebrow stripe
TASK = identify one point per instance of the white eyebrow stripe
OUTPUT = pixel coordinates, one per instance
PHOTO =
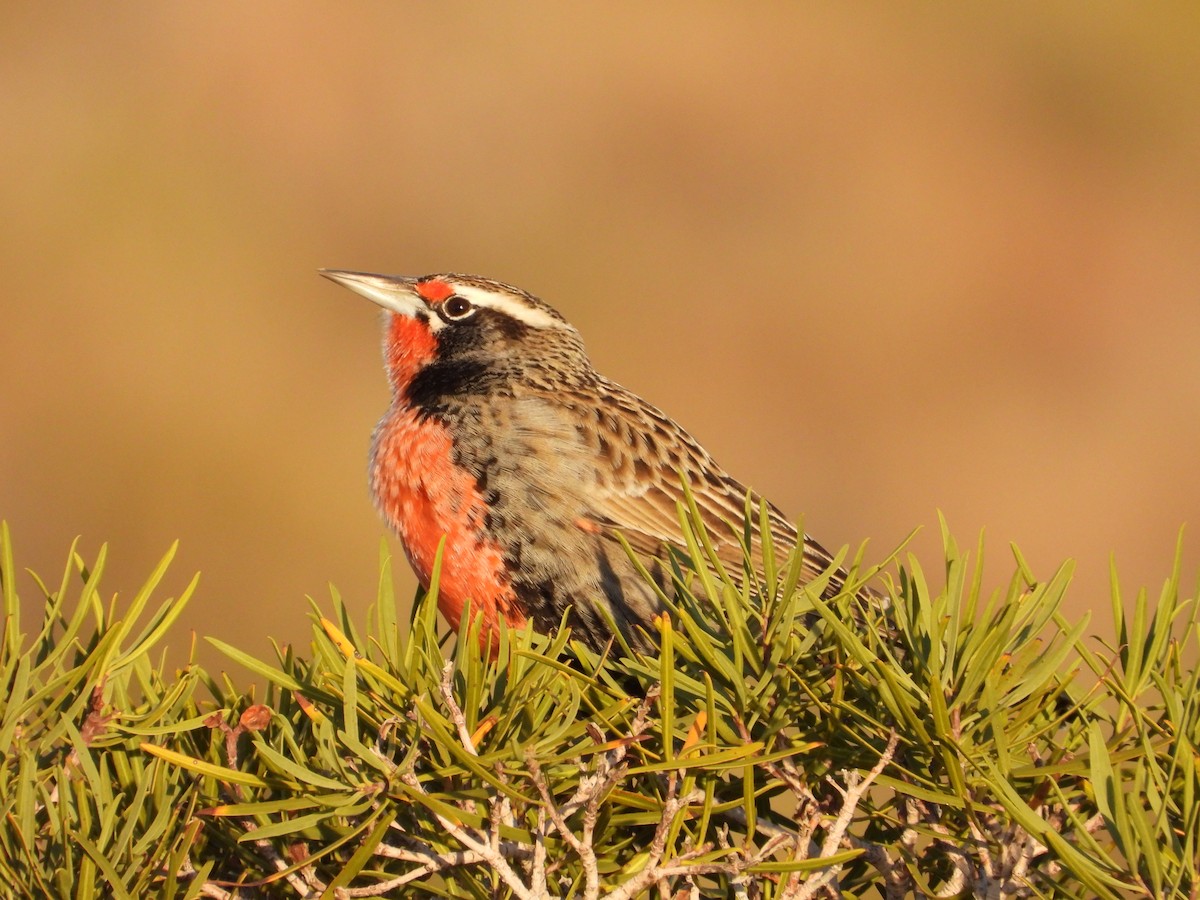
(531, 316)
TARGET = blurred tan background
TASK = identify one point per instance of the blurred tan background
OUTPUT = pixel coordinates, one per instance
(880, 262)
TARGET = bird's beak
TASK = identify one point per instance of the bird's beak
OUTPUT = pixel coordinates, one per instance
(393, 292)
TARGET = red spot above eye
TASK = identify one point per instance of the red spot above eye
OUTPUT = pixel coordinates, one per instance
(434, 291)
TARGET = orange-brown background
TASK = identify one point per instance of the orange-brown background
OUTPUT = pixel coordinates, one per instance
(880, 262)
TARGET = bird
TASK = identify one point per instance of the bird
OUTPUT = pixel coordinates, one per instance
(504, 442)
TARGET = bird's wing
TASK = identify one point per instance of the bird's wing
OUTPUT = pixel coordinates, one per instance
(641, 458)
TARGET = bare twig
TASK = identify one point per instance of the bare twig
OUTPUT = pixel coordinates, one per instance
(188, 872)
(456, 713)
(653, 872)
(917, 811)
(590, 791)
(429, 863)
(493, 851)
(303, 882)
(852, 794)
(896, 881)
(537, 873)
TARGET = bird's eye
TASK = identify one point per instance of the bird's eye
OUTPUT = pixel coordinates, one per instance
(457, 307)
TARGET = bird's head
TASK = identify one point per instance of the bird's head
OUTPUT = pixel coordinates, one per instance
(468, 329)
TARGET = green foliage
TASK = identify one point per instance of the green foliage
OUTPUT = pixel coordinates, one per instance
(86, 812)
(777, 745)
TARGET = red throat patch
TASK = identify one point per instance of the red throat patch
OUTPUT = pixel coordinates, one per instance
(434, 291)
(409, 346)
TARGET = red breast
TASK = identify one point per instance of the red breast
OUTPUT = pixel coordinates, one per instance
(424, 496)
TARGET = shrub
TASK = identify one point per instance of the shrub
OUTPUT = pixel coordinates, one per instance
(777, 746)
